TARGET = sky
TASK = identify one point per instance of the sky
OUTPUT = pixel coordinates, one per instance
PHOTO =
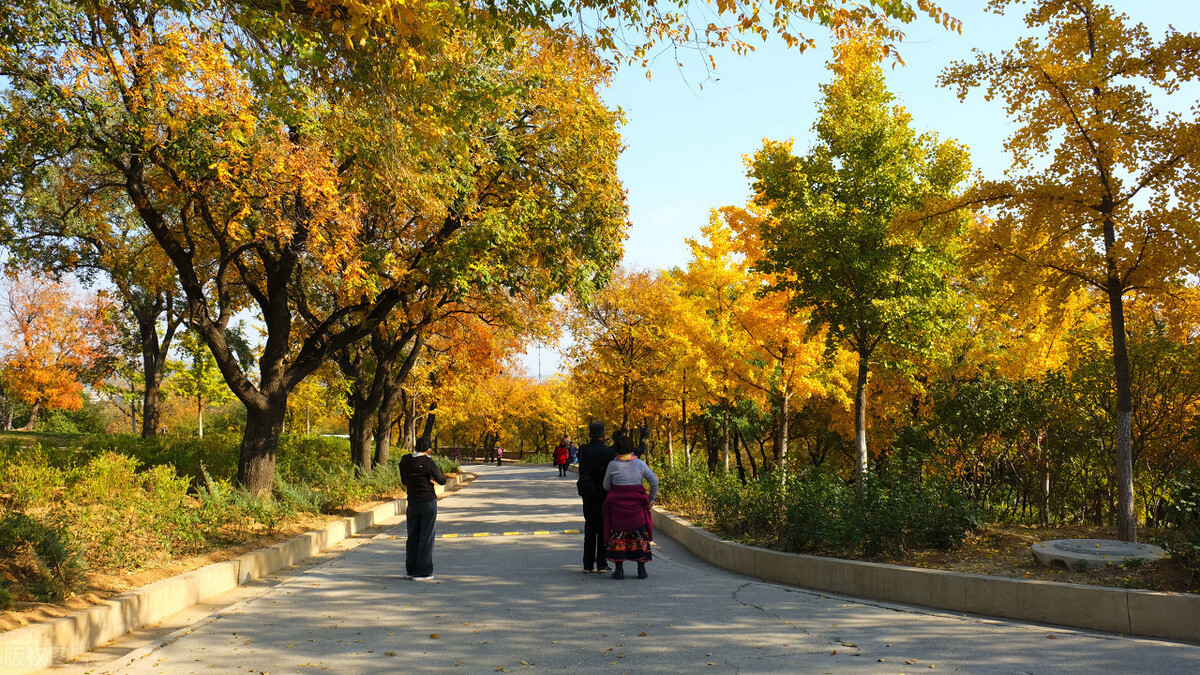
(687, 131)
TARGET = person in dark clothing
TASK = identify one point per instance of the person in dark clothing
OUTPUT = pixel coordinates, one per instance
(417, 471)
(644, 445)
(594, 457)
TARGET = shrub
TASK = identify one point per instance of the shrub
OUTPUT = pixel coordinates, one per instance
(188, 456)
(538, 458)
(31, 478)
(1182, 513)
(819, 512)
(446, 464)
(56, 557)
(127, 517)
(304, 459)
(6, 601)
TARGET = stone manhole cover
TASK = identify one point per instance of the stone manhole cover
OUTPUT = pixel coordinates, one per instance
(1083, 554)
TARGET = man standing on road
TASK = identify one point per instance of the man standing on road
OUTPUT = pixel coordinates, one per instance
(417, 472)
(594, 457)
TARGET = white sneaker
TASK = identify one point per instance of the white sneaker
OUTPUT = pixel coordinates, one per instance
(428, 578)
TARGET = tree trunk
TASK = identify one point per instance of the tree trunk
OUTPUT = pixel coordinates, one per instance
(33, 416)
(625, 404)
(738, 454)
(726, 431)
(383, 423)
(1126, 518)
(860, 411)
(154, 353)
(200, 416)
(361, 418)
(783, 434)
(256, 461)
(1045, 458)
(687, 449)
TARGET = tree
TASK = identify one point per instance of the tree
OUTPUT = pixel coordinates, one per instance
(618, 335)
(1104, 186)
(61, 226)
(832, 236)
(258, 188)
(198, 379)
(53, 343)
(627, 29)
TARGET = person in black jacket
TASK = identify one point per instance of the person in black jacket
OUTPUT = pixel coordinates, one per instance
(416, 472)
(594, 457)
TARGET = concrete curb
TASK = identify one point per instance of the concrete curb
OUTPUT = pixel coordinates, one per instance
(41, 645)
(1174, 616)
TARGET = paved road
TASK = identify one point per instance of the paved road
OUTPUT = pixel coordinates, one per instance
(516, 603)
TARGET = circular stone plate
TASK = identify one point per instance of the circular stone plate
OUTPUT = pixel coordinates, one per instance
(1082, 554)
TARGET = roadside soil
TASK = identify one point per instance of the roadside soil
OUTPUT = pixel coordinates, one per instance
(1003, 550)
(26, 610)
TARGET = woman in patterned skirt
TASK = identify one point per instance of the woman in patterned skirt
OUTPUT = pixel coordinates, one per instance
(627, 525)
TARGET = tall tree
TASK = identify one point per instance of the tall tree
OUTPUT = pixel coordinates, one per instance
(618, 338)
(254, 182)
(53, 343)
(62, 225)
(198, 379)
(833, 237)
(1104, 188)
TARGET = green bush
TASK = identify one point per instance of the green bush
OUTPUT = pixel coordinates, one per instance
(127, 517)
(57, 558)
(188, 456)
(538, 458)
(304, 459)
(1182, 514)
(818, 512)
(446, 464)
(6, 601)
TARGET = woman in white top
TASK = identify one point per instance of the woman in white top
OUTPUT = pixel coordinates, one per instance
(628, 530)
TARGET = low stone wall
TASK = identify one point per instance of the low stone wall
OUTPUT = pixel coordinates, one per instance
(43, 644)
(1174, 616)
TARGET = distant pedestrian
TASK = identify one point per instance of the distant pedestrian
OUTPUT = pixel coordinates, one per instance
(572, 451)
(499, 454)
(628, 529)
(594, 457)
(418, 472)
(561, 454)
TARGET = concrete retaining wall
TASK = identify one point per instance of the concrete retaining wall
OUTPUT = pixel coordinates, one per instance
(38, 646)
(1173, 616)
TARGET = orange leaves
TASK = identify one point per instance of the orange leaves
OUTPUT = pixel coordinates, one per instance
(53, 342)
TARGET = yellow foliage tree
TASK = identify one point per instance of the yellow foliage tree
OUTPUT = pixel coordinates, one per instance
(1104, 186)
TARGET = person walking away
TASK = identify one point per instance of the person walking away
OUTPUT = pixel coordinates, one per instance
(560, 457)
(594, 457)
(418, 472)
(499, 454)
(572, 451)
(628, 528)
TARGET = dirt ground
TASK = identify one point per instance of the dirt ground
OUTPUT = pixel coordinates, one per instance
(1004, 551)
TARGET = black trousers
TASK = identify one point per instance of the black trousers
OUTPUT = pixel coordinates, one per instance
(593, 533)
(418, 551)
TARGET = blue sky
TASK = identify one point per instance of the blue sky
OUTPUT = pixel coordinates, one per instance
(687, 131)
